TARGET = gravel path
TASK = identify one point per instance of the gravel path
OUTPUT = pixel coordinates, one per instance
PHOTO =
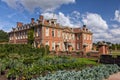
(3, 77)
(114, 76)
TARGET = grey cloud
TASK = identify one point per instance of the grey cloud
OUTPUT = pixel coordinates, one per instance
(31, 5)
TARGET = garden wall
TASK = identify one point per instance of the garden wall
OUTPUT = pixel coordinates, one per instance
(110, 59)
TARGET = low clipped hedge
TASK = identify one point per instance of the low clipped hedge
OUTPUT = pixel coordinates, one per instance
(22, 49)
(110, 59)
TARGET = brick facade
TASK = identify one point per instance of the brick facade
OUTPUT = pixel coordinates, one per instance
(103, 48)
(49, 32)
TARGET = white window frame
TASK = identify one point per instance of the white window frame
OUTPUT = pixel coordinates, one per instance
(78, 37)
(53, 45)
(73, 36)
(38, 31)
(53, 31)
(58, 33)
(58, 44)
(78, 46)
(47, 31)
(84, 36)
(47, 43)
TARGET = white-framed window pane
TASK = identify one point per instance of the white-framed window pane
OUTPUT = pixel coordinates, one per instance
(53, 32)
(84, 36)
(38, 31)
(47, 43)
(53, 45)
(47, 31)
(73, 36)
(58, 33)
(78, 46)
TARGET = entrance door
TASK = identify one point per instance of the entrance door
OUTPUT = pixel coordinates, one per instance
(66, 46)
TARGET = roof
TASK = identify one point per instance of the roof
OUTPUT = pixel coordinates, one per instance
(52, 23)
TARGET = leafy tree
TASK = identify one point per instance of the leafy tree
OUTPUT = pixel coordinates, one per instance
(31, 36)
(3, 36)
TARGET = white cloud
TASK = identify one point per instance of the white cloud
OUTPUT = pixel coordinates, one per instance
(111, 35)
(31, 5)
(115, 40)
(115, 32)
(76, 15)
(104, 35)
(115, 25)
(94, 22)
(117, 16)
(62, 19)
(100, 28)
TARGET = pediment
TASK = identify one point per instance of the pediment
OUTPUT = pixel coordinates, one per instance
(67, 29)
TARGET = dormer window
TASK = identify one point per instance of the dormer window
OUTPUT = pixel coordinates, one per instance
(52, 22)
(48, 21)
(27, 26)
(21, 28)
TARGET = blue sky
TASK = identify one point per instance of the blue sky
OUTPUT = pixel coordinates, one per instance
(102, 17)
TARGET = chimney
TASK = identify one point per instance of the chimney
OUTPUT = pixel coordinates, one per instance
(57, 24)
(19, 24)
(41, 17)
(84, 27)
(32, 20)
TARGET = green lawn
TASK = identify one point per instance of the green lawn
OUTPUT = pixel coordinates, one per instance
(82, 60)
(116, 52)
(87, 61)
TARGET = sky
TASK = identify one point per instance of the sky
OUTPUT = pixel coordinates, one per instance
(102, 17)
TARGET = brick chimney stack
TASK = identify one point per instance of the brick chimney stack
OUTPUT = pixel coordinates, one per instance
(19, 24)
(32, 20)
(84, 27)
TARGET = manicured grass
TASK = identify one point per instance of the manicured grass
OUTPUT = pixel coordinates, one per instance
(81, 60)
(116, 52)
(87, 60)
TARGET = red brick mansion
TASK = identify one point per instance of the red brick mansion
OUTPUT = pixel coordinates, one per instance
(49, 32)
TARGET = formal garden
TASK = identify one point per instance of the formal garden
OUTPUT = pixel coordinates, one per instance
(24, 62)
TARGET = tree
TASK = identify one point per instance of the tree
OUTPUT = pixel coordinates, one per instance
(3, 36)
(30, 36)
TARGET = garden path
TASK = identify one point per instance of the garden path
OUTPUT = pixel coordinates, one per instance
(115, 76)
